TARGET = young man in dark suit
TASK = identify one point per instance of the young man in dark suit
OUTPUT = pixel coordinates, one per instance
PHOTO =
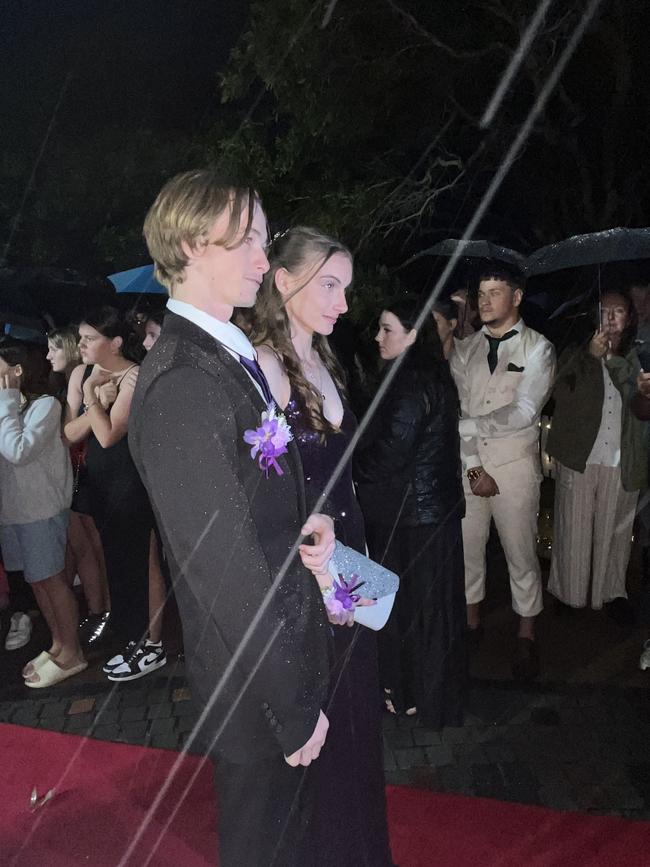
(254, 624)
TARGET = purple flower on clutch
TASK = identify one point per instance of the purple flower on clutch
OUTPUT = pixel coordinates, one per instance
(342, 597)
(269, 440)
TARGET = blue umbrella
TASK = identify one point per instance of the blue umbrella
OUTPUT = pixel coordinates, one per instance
(139, 280)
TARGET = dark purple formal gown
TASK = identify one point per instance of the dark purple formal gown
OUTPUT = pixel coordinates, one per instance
(350, 828)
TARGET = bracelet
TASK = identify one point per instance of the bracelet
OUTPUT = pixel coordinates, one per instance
(88, 406)
(475, 474)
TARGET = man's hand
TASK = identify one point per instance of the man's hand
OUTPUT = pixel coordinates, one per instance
(484, 486)
(599, 345)
(643, 384)
(311, 750)
(317, 557)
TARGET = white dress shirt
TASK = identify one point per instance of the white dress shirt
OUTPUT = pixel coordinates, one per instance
(229, 336)
(606, 450)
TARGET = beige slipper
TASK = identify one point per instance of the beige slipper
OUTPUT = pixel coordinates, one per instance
(36, 663)
(51, 673)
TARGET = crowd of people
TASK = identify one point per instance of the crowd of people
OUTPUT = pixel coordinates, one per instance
(82, 511)
(139, 482)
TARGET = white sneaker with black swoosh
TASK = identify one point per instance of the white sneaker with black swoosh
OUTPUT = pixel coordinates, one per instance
(144, 659)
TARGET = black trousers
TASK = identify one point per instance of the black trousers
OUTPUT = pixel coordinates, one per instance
(264, 811)
(126, 552)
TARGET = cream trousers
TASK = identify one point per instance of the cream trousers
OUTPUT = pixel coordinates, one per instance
(514, 511)
(592, 535)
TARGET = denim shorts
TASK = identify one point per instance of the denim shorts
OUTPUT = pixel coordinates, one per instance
(36, 549)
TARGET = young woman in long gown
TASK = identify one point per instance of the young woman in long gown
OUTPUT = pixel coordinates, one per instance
(301, 298)
(409, 478)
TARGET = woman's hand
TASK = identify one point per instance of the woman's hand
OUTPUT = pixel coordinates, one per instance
(97, 378)
(643, 384)
(106, 394)
(9, 380)
(317, 557)
(599, 345)
(346, 618)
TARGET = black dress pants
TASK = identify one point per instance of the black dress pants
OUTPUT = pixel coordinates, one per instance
(264, 811)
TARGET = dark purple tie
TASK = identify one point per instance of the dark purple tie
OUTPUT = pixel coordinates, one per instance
(257, 373)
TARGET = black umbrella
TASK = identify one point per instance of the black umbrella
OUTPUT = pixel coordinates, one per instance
(596, 248)
(473, 249)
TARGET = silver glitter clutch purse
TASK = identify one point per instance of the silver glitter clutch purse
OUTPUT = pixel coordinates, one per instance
(376, 581)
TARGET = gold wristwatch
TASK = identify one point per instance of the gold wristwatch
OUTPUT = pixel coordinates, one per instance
(475, 474)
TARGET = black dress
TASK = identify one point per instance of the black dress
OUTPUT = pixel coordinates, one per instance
(350, 828)
(109, 489)
(408, 471)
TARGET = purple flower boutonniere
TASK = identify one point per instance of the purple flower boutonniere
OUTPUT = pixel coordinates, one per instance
(269, 440)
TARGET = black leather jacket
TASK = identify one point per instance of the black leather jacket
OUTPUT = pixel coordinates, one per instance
(407, 465)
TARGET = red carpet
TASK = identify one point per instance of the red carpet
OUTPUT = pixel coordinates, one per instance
(107, 789)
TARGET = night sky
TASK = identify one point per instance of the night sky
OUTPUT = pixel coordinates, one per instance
(99, 71)
(144, 62)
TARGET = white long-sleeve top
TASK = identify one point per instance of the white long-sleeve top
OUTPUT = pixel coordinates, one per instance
(606, 450)
(35, 468)
(501, 410)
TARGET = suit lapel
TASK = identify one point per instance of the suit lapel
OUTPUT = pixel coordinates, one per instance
(175, 325)
(243, 379)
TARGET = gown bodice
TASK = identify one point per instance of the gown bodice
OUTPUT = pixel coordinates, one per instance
(320, 458)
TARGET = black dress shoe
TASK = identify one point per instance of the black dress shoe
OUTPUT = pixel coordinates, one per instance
(621, 611)
(525, 663)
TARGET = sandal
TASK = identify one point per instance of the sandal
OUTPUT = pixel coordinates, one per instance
(51, 673)
(35, 664)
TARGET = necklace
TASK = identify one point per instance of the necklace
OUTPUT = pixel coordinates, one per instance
(315, 368)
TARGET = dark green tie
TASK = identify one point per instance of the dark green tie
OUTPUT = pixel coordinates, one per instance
(494, 347)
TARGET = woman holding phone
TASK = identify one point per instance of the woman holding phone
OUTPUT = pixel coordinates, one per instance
(601, 462)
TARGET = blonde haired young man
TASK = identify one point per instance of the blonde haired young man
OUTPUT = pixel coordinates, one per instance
(253, 620)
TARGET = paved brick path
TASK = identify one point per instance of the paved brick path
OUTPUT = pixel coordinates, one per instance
(571, 747)
(578, 740)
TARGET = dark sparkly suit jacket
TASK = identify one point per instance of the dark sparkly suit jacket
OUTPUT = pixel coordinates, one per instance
(227, 531)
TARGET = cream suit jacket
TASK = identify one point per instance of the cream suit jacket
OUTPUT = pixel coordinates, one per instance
(501, 410)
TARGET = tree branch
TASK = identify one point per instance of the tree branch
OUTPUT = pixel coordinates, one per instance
(456, 53)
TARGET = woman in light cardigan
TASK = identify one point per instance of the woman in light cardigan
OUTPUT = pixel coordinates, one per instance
(36, 484)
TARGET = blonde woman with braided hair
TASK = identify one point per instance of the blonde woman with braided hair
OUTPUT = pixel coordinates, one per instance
(302, 296)
(84, 552)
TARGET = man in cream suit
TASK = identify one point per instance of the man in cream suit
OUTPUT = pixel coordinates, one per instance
(504, 375)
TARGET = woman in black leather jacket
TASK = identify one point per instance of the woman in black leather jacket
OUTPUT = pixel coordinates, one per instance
(408, 474)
